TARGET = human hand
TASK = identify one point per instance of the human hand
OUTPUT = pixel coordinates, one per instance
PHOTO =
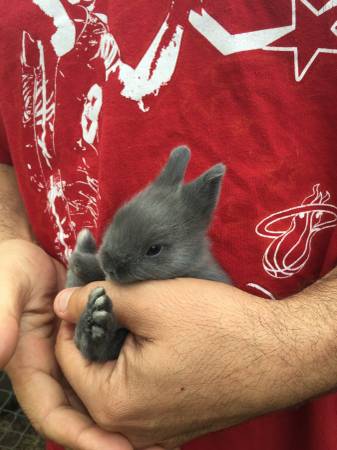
(29, 280)
(181, 371)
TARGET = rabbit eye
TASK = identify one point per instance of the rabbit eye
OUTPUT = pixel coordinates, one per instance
(154, 250)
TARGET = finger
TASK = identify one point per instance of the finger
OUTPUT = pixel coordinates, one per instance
(73, 429)
(70, 312)
(61, 273)
(136, 305)
(72, 398)
(11, 305)
(57, 420)
(78, 431)
(79, 372)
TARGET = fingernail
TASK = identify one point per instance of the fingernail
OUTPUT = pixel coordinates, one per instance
(62, 300)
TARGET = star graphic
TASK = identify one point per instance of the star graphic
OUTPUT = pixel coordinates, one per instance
(314, 31)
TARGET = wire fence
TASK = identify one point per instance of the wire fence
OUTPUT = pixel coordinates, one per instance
(15, 430)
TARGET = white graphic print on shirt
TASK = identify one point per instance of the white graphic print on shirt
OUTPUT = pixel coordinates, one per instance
(228, 43)
(42, 101)
(303, 62)
(43, 82)
(291, 232)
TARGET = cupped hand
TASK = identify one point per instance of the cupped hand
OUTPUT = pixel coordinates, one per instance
(167, 385)
(29, 280)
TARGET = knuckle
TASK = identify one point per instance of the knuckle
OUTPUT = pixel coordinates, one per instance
(106, 419)
(111, 416)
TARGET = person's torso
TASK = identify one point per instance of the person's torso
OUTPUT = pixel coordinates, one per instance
(94, 95)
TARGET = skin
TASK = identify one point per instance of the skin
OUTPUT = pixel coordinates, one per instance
(189, 335)
(29, 281)
(241, 343)
(293, 339)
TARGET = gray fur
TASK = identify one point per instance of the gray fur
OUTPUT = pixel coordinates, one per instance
(166, 213)
(83, 265)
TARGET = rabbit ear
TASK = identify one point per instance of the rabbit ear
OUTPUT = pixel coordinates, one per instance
(202, 194)
(174, 170)
(85, 242)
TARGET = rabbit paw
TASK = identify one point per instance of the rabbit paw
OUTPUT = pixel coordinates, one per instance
(97, 334)
(83, 267)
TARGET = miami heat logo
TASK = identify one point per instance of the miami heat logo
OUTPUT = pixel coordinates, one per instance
(292, 231)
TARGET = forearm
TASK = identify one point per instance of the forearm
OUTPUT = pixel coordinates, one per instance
(13, 218)
(312, 318)
(281, 353)
(214, 353)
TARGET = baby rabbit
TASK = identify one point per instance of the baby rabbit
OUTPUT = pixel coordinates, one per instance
(159, 234)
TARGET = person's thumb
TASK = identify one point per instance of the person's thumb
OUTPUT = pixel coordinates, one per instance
(70, 310)
(132, 304)
(11, 305)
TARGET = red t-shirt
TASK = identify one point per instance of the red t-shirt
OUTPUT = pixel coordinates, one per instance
(94, 95)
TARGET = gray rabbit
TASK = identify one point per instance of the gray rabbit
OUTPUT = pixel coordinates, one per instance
(160, 233)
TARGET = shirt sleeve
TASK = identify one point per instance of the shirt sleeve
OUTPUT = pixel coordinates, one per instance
(5, 157)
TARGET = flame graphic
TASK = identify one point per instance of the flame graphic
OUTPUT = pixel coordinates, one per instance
(292, 231)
